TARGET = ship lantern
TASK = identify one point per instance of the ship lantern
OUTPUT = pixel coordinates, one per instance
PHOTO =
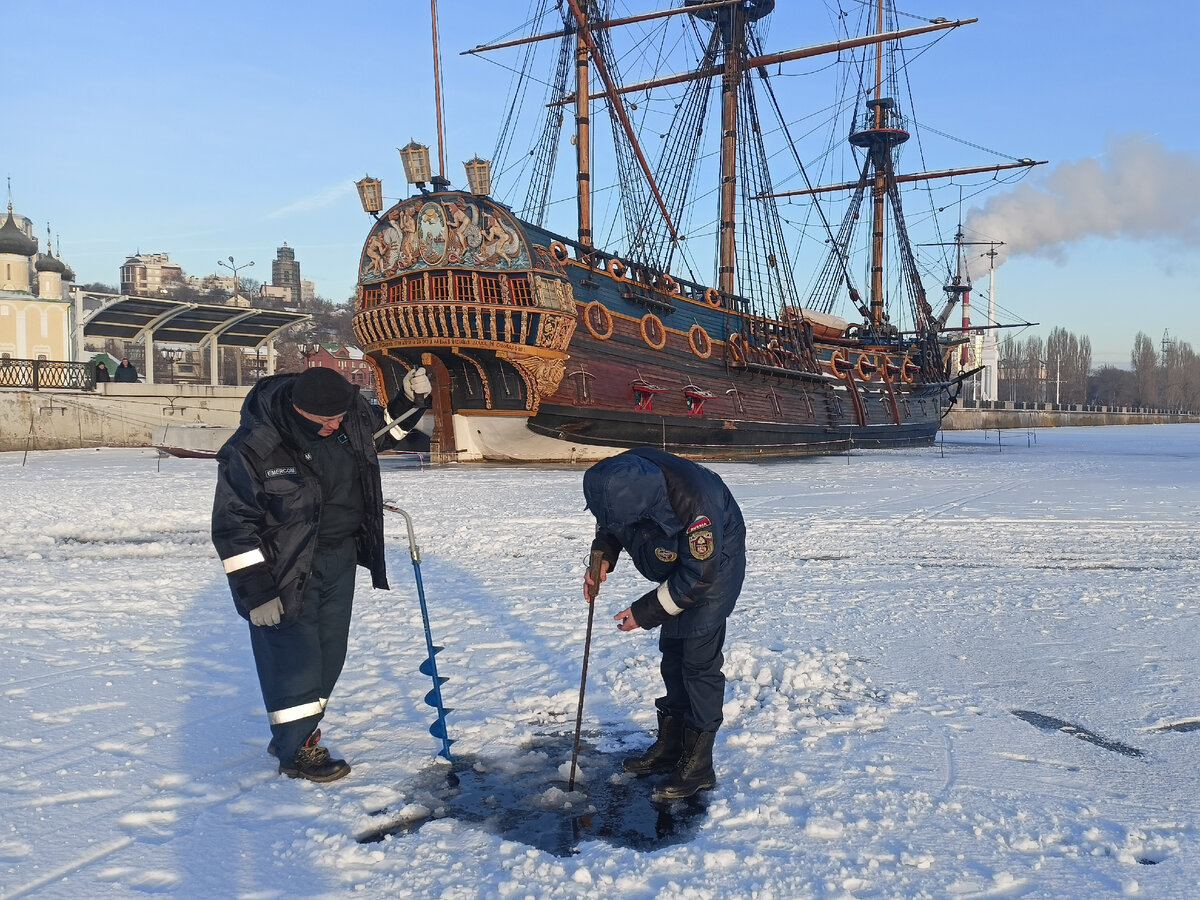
(370, 192)
(416, 163)
(479, 176)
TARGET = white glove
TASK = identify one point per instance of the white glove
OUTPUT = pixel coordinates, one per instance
(267, 614)
(416, 384)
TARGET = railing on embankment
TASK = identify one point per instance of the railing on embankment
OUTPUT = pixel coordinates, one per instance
(46, 373)
(985, 415)
(110, 415)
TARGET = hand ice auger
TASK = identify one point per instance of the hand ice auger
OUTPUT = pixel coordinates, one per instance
(429, 667)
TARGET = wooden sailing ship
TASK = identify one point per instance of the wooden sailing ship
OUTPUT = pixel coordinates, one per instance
(544, 347)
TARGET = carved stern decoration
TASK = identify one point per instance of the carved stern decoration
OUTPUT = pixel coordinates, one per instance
(449, 280)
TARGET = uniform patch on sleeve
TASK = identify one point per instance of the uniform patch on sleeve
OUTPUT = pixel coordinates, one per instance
(281, 471)
(665, 555)
(700, 538)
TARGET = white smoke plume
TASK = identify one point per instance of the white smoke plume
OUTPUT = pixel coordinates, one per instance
(1138, 190)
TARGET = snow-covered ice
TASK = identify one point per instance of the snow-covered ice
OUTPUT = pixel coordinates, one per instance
(955, 672)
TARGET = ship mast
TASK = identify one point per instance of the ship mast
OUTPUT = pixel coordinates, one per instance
(731, 21)
(437, 96)
(583, 138)
(617, 108)
(733, 29)
(879, 138)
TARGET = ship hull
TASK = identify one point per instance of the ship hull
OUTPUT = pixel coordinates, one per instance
(542, 355)
(562, 436)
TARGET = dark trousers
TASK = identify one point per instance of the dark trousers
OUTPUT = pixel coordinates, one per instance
(691, 670)
(299, 665)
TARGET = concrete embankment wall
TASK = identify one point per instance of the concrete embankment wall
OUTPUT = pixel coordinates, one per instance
(125, 415)
(114, 415)
(1029, 415)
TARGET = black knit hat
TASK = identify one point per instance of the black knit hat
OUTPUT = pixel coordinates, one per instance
(322, 392)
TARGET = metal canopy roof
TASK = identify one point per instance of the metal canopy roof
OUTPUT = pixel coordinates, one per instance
(177, 322)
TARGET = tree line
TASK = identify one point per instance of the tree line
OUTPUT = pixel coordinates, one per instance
(1059, 370)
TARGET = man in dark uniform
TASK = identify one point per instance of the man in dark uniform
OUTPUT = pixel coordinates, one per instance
(682, 528)
(298, 503)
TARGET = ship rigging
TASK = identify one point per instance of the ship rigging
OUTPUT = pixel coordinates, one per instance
(601, 341)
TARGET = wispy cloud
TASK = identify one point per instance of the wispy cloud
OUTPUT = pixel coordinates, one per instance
(322, 199)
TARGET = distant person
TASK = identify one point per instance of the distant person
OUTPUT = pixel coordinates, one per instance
(126, 372)
(681, 528)
(298, 503)
(101, 373)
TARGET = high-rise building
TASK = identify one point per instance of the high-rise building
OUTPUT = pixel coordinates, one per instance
(285, 272)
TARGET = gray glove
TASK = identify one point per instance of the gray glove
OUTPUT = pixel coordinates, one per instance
(416, 384)
(267, 614)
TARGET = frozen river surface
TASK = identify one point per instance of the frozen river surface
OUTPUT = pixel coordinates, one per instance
(962, 671)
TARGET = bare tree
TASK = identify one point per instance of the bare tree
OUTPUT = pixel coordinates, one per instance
(1033, 377)
(1068, 364)
(1084, 367)
(1113, 387)
(1178, 376)
(1144, 362)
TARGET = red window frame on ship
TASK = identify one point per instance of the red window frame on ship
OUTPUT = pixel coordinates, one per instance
(643, 395)
(416, 289)
(489, 288)
(521, 294)
(439, 287)
(463, 291)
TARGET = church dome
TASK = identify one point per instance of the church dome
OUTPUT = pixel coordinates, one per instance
(47, 263)
(14, 240)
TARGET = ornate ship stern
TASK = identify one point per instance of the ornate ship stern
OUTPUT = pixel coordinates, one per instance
(449, 280)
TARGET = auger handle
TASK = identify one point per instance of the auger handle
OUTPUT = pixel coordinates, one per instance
(413, 550)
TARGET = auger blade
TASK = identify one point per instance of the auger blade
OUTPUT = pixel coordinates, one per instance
(429, 666)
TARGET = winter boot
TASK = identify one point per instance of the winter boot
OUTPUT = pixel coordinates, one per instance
(314, 763)
(315, 737)
(695, 769)
(663, 754)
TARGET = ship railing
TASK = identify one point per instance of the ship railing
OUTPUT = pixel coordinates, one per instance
(452, 286)
(642, 276)
(460, 324)
(892, 121)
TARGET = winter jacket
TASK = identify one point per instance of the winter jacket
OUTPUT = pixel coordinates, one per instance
(268, 502)
(126, 373)
(681, 527)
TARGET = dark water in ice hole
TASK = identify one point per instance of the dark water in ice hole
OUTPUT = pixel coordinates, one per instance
(514, 798)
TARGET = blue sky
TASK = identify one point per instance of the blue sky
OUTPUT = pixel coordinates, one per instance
(218, 129)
